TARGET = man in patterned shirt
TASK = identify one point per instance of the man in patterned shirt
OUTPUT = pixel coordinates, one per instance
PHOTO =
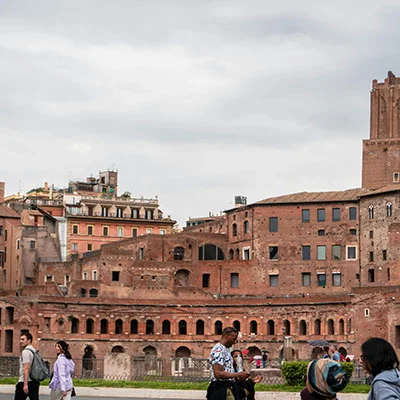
(223, 375)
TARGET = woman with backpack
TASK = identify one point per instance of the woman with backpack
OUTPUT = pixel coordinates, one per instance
(61, 385)
(379, 359)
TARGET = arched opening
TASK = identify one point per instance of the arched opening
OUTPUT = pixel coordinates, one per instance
(82, 292)
(246, 227)
(149, 327)
(317, 327)
(199, 327)
(182, 277)
(117, 349)
(134, 327)
(74, 325)
(286, 327)
(270, 327)
(331, 327)
(236, 325)
(103, 326)
(166, 327)
(182, 327)
(150, 351)
(237, 254)
(88, 362)
(231, 254)
(182, 352)
(118, 327)
(179, 253)
(254, 351)
(93, 293)
(218, 328)
(341, 326)
(253, 327)
(89, 325)
(349, 325)
(303, 327)
(234, 230)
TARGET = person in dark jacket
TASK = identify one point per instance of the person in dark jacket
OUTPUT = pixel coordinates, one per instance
(380, 360)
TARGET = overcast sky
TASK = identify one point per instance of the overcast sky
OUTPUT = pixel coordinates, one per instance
(195, 101)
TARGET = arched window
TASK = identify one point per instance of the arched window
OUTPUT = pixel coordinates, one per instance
(286, 327)
(236, 325)
(166, 327)
(246, 227)
(371, 275)
(182, 277)
(82, 293)
(389, 209)
(134, 327)
(341, 326)
(253, 327)
(200, 327)
(117, 349)
(118, 327)
(150, 351)
(218, 328)
(231, 254)
(317, 327)
(74, 325)
(371, 212)
(103, 326)
(179, 253)
(237, 253)
(182, 352)
(149, 327)
(270, 327)
(331, 327)
(303, 327)
(182, 327)
(89, 325)
(349, 326)
(234, 230)
(210, 252)
(93, 293)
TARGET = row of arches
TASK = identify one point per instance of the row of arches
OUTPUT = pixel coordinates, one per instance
(119, 327)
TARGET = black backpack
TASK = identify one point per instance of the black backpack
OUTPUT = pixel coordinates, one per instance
(39, 369)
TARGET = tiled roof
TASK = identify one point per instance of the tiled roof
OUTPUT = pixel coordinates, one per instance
(384, 189)
(316, 197)
(8, 212)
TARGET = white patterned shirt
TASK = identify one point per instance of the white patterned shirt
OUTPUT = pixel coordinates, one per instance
(220, 355)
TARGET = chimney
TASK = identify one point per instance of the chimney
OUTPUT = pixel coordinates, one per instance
(2, 191)
(240, 201)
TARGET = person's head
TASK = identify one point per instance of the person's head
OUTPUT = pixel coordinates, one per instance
(378, 355)
(326, 349)
(317, 352)
(325, 378)
(229, 336)
(343, 352)
(63, 348)
(235, 354)
(25, 339)
(333, 348)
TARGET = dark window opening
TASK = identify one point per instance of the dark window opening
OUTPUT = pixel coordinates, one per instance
(206, 281)
(115, 276)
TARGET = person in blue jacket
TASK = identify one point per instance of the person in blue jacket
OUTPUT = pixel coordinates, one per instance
(380, 360)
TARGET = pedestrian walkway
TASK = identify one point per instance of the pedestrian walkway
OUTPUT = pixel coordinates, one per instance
(172, 394)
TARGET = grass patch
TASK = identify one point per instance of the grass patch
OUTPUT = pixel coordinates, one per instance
(181, 385)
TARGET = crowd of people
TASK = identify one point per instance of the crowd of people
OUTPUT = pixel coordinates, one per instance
(325, 374)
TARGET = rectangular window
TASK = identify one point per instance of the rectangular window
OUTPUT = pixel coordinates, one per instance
(273, 280)
(134, 232)
(306, 279)
(273, 224)
(337, 279)
(49, 278)
(105, 230)
(74, 246)
(246, 254)
(353, 232)
(305, 215)
(85, 276)
(75, 229)
(141, 253)
(384, 255)
(234, 280)
(371, 256)
(206, 281)
(351, 252)
(321, 252)
(321, 279)
(352, 213)
(1, 230)
(336, 252)
(115, 276)
(321, 214)
(371, 234)
(32, 244)
(120, 231)
(148, 231)
(1, 259)
(90, 230)
(94, 275)
(162, 231)
(306, 252)
(335, 214)
(89, 247)
(321, 232)
(273, 252)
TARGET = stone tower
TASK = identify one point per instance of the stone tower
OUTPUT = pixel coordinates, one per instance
(381, 152)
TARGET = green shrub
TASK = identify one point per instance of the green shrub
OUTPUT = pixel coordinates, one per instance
(295, 372)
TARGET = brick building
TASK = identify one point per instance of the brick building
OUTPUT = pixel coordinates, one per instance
(306, 265)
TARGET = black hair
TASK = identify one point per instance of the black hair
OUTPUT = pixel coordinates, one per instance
(64, 347)
(380, 355)
(237, 351)
(27, 335)
(228, 330)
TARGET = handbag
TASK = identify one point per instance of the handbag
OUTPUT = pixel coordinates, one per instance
(73, 393)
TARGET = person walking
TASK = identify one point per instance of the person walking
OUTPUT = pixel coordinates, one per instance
(223, 375)
(61, 384)
(25, 386)
(379, 359)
